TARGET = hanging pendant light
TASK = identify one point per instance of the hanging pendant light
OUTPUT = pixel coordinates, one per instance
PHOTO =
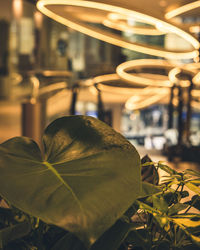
(182, 9)
(88, 16)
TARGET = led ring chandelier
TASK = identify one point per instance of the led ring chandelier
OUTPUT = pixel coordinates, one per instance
(48, 7)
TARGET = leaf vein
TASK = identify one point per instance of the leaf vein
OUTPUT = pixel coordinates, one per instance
(55, 172)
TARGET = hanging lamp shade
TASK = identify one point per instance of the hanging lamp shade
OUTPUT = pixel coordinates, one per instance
(89, 17)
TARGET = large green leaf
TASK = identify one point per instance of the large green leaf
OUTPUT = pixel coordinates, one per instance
(89, 176)
(68, 242)
(113, 237)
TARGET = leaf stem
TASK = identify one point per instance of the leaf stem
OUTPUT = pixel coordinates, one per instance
(191, 205)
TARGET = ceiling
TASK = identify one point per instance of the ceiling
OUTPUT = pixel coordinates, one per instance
(154, 7)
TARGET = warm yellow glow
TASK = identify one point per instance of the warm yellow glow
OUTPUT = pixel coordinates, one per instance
(114, 21)
(104, 78)
(115, 39)
(196, 79)
(194, 67)
(182, 9)
(134, 79)
(38, 19)
(143, 102)
(35, 89)
(172, 75)
(103, 84)
(195, 104)
(196, 93)
(140, 97)
(194, 28)
(17, 8)
(188, 69)
(53, 87)
(51, 73)
(15, 78)
(139, 30)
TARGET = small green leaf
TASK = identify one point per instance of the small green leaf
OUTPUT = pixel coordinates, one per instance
(149, 189)
(166, 168)
(160, 204)
(177, 208)
(195, 182)
(192, 172)
(193, 187)
(148, 208)
(186, 222)
(147, 164)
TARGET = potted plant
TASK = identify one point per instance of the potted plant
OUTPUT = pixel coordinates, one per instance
(83, 190)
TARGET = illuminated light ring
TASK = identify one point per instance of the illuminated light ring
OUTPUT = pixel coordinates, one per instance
(122, 26)
(132, 104)
(194, 104)
(100, 81)
(133, 78)
(195, 67)
(115, 39)
(196, 93)
(183, 9)
(173, 76)
(148, 95)
(113, 21)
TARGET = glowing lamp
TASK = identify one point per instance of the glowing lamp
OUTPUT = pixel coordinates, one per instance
(72, 12)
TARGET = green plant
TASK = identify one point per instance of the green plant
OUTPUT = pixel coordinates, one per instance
(164, 218)
(85, 192)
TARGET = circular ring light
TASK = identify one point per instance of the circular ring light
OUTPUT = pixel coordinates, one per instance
(45, 5)
(141, 63)
(173, 76)
(183, 9)
(140, 97)
(104, 81)
(140, 103)
(195, 67)
(104, 84)
(119, 22)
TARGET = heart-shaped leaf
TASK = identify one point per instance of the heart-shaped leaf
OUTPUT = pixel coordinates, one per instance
(89, 176)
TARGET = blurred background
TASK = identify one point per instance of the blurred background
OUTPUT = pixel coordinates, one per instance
(48, 70)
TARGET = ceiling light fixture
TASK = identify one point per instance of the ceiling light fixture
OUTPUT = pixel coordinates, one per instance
(47, 8)
(104, 84)
(174, 76)
(120, 22)
(183, 9)
(133, 78)
(143, 102)
(138, 98)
